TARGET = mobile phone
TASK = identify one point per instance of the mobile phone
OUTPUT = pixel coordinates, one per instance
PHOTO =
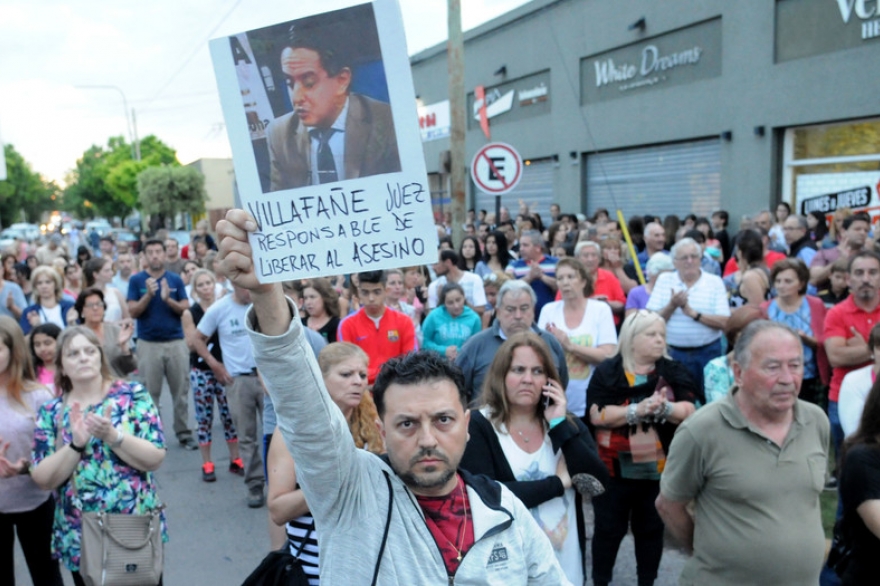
(547, 402)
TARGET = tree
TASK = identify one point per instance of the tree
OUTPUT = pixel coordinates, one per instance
(25, 195)
(167, 191)
(105, 179)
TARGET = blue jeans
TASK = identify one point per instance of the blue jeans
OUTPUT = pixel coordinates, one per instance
(696, 359)
(836, 429)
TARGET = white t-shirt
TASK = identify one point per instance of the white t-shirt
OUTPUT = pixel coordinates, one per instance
(595, 329)
(853, 392)
(227, 318)
(113, 313)
(52, 316)
(557, 517)
(470, 283)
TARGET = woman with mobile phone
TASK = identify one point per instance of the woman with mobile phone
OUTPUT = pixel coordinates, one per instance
(524, 437)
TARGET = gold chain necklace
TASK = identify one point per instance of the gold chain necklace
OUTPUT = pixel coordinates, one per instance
(462, 528)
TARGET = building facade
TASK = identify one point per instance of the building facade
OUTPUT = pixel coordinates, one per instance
(678, 107)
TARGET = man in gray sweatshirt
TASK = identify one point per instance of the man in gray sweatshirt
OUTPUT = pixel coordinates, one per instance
(411, 517)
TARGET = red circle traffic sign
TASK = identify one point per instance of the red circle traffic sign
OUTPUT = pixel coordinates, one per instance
(496, 168)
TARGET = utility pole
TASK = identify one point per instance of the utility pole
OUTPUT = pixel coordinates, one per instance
(455, 60)
(130, 124)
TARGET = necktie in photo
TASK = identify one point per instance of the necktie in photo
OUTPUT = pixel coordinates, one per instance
(326, 164)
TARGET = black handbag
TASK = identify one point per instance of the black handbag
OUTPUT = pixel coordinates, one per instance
(281, 568)
(841, 552)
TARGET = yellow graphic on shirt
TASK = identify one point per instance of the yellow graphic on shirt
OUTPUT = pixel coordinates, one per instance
(577, 368)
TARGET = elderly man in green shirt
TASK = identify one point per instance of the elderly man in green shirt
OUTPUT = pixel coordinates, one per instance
(754, 464)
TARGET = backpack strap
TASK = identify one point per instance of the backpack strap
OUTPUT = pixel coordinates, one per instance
(387, 526)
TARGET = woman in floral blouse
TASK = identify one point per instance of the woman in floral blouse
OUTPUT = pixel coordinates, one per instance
(101, 435)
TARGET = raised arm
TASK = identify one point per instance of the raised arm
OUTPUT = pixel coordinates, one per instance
(314, 430)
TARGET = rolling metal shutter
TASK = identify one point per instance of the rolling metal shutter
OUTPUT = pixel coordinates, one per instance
(535, 187)
(677, 179)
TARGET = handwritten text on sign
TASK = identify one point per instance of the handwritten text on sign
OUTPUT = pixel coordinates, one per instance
(294, 226)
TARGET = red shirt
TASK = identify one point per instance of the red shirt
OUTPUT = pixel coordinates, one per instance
(771, 257)
(394, 337)
(838, 321)
(451, 523)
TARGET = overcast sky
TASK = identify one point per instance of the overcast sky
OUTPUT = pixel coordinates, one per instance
(157, 53)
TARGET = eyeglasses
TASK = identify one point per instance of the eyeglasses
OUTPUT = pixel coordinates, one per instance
(688, 257)
(94, 305)
(513, 310)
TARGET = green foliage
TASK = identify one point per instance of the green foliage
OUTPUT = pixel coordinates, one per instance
(166, 191)
(104, 182)
(25, 195)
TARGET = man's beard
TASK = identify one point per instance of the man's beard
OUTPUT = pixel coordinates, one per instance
(412, 480)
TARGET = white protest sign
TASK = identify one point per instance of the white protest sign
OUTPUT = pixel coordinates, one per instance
(496, 168)
(336, 180)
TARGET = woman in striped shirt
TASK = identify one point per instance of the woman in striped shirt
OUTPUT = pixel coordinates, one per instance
(344, 367)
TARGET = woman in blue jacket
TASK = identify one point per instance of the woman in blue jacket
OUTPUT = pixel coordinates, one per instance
(450, 325)
(49, 306)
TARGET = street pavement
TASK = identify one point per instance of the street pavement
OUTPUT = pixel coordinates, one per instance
(216, 540)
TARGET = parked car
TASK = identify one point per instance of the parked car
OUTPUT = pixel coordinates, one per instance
(9, 236)
(31, 231)
(102, 227)
(182, 236)
(127, 236)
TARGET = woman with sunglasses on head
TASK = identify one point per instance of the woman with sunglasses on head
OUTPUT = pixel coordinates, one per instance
(203, 382)
(25, 508)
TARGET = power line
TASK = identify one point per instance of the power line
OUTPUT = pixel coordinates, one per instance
(199, 46)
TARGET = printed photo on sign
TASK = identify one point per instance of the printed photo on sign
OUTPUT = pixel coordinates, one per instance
(326, 142)
(316, 97)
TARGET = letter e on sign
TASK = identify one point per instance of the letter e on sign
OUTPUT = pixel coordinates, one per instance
(496, 168)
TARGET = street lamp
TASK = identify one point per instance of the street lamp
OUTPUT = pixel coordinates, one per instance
(130, 125)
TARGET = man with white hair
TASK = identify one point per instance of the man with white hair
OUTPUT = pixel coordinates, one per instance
(695, 307)
(515, 312)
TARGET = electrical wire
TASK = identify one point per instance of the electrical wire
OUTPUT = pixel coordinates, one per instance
(198, 48)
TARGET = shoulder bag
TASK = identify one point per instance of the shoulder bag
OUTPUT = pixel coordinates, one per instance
(280, 568)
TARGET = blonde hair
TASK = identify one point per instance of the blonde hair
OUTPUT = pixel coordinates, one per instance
(636, 323)
(362, 421)
(47, 271)
(195, 277)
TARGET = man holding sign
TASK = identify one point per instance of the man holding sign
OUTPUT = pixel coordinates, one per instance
(467, 529)
(332, 134)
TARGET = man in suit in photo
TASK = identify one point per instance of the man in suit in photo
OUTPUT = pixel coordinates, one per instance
(332, 134)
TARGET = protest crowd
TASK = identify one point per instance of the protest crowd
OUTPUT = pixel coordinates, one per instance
(704, 387)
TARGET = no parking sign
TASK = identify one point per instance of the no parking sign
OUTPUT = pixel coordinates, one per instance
(497, 168)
